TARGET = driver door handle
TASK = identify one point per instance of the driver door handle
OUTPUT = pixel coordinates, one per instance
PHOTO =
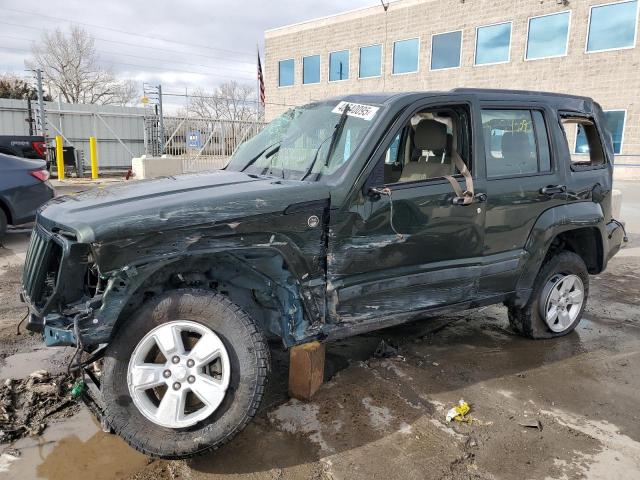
(477, 198)
(553, 189)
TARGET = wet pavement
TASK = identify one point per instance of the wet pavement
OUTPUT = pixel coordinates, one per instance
(384, 417)
(74, 449)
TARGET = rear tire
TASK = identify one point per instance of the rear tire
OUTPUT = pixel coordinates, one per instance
(553, 309)
(243, 371)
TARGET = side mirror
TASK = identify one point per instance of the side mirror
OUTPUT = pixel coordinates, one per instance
(374, 193)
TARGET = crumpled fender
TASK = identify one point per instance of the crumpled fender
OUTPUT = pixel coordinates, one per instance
(549, 224)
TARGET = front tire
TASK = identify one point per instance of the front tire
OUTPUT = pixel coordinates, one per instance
(184, 375)
(559, 296)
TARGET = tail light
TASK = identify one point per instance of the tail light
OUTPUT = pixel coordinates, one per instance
(42, 175)
(39, 147)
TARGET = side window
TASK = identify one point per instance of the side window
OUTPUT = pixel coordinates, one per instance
(425, 147)
(583, 141)
(516, 142)
(392, 152)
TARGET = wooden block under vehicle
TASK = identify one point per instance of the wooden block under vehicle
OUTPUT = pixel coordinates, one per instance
(306, 370)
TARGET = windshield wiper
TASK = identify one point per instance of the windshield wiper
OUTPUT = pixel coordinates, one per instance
(336, 134)
(267, 152)
(334, 140)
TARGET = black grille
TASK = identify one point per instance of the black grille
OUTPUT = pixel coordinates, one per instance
(40, 267)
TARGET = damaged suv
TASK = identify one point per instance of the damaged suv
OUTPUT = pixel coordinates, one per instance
(339, 217)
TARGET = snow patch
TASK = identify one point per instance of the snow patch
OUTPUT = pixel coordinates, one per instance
(302, 418)
(379, 417)
(620, 455)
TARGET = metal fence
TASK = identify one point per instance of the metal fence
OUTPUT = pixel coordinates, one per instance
(205, 143)
(119, 130)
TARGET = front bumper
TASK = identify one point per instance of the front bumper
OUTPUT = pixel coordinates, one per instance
(53, 285)
(54, 336)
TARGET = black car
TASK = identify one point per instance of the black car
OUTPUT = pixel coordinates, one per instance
(24, 187)
(27, 146)
(340, 217)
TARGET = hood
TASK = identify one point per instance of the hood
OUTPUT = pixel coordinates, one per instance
(149, 206)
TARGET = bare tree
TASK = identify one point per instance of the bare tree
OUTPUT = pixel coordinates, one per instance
(71, 68)
(230, 101)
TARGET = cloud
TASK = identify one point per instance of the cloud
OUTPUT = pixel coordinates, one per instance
(206, 42)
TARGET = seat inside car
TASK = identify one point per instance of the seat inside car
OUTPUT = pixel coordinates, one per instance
(433, 146)
(517, 153)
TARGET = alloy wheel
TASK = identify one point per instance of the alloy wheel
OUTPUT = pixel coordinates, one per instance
(178, 374)
(561, 301)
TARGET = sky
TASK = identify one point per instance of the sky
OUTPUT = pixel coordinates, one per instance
(182, 45)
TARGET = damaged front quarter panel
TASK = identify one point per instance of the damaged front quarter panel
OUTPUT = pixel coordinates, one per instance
(271, 264)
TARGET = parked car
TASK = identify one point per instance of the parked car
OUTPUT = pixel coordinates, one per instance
(24, 187)
(340, 217)
(26, 146)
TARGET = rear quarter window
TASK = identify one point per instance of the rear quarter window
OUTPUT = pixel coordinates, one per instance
(583, 141)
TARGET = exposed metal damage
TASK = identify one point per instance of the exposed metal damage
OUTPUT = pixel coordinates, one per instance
(271, 264)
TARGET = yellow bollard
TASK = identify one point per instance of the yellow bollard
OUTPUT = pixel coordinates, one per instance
(59, 157)
(93, 153)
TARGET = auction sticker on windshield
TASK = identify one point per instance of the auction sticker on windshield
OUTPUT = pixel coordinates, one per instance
(365, 112)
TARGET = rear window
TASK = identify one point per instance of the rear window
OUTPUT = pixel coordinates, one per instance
(583, 141)
(516, 142)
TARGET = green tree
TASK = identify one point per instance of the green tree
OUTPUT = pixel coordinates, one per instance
(15, 87)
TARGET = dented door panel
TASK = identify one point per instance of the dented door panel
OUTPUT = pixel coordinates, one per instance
(432, 260)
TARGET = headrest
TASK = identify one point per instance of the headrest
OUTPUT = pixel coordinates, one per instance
(430, 135)
(515, 143)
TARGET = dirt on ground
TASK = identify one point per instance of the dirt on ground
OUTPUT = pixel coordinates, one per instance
(560, 408)
(29, 400)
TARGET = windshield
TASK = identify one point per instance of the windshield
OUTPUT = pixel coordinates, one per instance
(308, 141)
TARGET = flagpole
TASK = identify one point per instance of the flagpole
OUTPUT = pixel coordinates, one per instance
(258, 102)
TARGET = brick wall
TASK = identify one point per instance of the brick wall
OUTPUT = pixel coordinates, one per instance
(612, 78)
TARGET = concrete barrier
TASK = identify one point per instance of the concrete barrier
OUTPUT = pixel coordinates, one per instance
(151, 167)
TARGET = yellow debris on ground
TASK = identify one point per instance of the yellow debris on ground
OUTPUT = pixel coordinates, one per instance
(459, 412)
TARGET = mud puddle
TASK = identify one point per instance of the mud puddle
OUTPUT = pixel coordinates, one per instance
(72, 449)
(22, 364)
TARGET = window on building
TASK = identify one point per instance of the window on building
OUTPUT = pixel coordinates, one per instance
(445, 50)
(516, 142)
(493, 43)
(615, 126)
(612, 26)
(370, 61)
(614, 122)
(311, 69)
(285, 72)
(339, 65)
(548, 35)
(405, 56)
(425, 147)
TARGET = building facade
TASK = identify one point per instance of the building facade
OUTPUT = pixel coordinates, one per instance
(582, 47)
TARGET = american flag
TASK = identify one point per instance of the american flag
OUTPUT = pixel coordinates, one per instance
(260, 81)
